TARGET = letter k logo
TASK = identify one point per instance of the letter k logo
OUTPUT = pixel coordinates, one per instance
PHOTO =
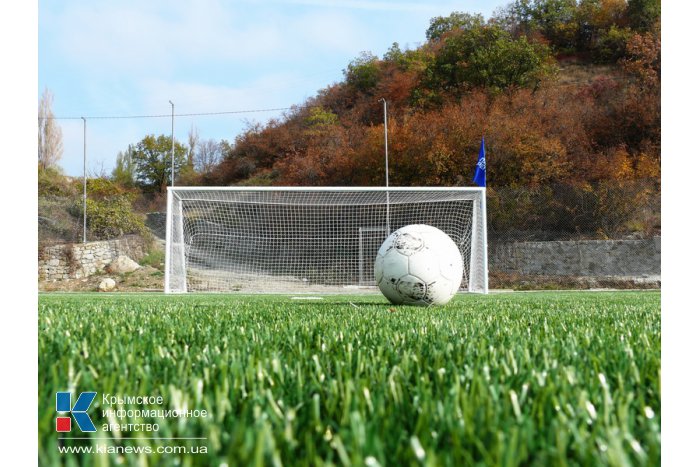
(79, 411)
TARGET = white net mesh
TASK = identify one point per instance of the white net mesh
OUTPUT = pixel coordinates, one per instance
(307, 239)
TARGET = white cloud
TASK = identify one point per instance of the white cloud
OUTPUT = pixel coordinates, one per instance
(331, 31)
(197, 97)
(155, 38)
(104, 138)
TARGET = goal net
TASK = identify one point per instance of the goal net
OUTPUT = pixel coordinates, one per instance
(320, 239)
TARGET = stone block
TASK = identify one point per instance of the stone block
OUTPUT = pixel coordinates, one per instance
(107, 284)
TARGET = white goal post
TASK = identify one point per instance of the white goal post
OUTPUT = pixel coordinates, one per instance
(308, 239)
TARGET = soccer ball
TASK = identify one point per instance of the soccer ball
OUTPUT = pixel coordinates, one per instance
(418, 265)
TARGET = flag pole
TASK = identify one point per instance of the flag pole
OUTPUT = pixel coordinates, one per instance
(485, 259)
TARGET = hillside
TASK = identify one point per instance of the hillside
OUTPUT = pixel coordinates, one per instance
(566, 98)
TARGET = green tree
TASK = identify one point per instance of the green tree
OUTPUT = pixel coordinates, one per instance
(456, 21)
(515, 17)
(320, 118)
(644, 14)
(550, 15)
(408, 60)
(363, 72)
(152, 161)
(488, 57)
(611, 45)
(394, 54)
(123, 172)
(192, 142)
(553, 19)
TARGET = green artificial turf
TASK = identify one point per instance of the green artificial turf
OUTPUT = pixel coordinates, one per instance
(545, 378)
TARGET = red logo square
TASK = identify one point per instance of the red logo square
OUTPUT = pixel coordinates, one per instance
(63, 424)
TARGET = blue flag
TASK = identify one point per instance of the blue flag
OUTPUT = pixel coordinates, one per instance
(480, 172)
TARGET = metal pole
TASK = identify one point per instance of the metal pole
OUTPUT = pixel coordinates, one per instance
(84, 181)
(386, 165)
(172, 144)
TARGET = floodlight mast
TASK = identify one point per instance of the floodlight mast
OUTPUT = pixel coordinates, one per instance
(386, 166)
(84, 181)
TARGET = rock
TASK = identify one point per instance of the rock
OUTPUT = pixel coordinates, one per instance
(107, 284)
(122, 264)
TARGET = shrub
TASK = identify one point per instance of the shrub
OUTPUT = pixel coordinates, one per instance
(52, 182)
(611, 46)
(110, 217)
(155, 258)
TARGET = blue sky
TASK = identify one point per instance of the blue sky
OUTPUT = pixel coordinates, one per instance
(122, 58)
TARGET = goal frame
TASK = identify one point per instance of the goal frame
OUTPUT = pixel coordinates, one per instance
(479, 219)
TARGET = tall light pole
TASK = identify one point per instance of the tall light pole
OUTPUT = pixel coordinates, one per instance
(84, 180)
(172, 144)
(386, 165)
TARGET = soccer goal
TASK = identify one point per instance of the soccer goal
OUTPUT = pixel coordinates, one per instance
(308, 239)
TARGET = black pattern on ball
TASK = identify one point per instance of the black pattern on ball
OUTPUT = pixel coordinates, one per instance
(408, 244)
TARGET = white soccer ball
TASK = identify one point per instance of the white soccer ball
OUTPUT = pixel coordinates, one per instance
(418, 265)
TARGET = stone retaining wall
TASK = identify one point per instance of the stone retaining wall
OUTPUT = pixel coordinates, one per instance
(583, 258)
(587, 258)
(79, 260)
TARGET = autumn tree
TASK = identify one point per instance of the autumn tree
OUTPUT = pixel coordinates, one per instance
(50, 136)
(207, 155)
(600, 27)
(644, 58)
